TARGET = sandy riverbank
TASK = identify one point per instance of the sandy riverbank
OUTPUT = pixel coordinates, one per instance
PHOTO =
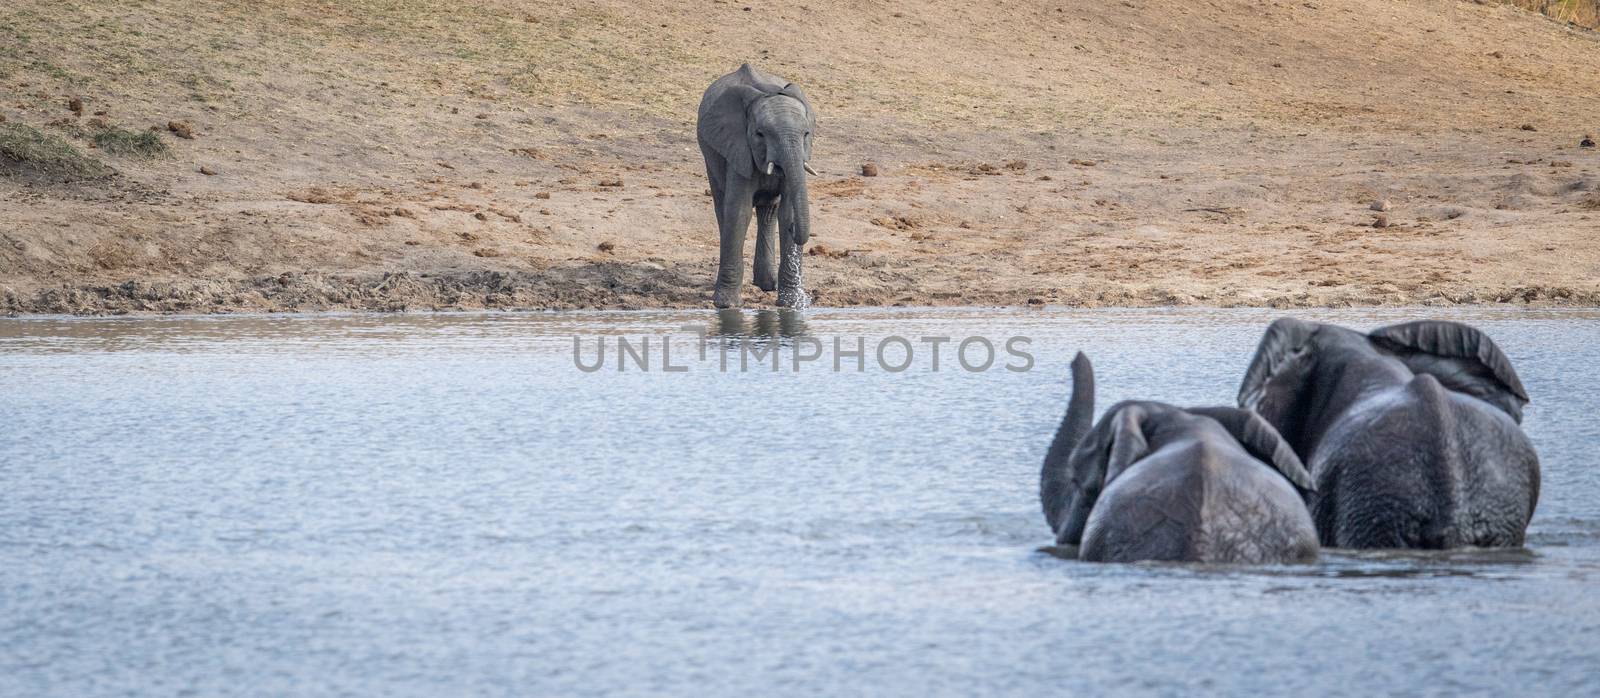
(530, 155)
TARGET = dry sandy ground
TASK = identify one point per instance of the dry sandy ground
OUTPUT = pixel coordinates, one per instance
(418, 155)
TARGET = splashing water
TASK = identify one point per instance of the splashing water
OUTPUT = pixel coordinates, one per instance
(791, 284)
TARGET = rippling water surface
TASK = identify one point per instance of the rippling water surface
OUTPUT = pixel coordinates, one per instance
(446, 505)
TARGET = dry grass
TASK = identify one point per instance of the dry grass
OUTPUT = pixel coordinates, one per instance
(998, 67)
(1584, 13)
(27, 150)
(120, 141)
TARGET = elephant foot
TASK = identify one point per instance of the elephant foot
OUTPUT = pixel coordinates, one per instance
(793, 298)
(725, 298)
(767, 281)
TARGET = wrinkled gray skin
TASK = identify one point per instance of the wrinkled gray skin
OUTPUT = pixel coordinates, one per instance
(1411, 432)
(1156, 482)
(755, 131)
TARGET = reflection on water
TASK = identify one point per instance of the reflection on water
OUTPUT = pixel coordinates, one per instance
(1469, 562)
(772, 323)
(443, 504)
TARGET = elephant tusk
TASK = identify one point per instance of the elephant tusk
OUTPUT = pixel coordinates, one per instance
(769, 168)
(812, 171)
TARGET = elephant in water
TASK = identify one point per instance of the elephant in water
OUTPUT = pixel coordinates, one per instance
(1411, 432)
(755, 131)
(1156, 482)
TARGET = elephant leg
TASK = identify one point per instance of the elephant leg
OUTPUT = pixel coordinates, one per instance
(791, 282)
(766, 277)
(716, 177)
(736, 209)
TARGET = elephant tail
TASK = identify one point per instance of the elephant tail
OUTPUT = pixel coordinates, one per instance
(1055, 479)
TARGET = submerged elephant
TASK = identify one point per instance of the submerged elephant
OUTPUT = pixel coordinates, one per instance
(1156, 482)
(1411, 432)
(755, 131)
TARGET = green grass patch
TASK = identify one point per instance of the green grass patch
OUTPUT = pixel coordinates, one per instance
(121, 141)
(26, 149)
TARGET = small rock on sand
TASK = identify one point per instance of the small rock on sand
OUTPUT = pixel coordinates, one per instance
(615, 183)
(1017, 165)
(1381, 221)
(821, 250)
(75, 105)
(1380, 205)
(1081, 163)
(207, 171)
(1528, 127)
(479, 215)
(606, 246)
(869, 169)
(542, 195)
(181, 129)
(1587, 142)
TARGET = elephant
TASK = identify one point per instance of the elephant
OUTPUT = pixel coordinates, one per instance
(1153, 481)
(1412, 432)
(755, 131)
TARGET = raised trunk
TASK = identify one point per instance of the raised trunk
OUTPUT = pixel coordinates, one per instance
(1056, 493)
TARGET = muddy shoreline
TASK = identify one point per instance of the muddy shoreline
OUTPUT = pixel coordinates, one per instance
(615, 286)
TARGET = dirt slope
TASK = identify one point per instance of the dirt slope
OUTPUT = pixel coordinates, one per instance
(406, 154)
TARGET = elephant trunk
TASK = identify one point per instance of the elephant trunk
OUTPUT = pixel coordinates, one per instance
(795, 206)
(1064, 507)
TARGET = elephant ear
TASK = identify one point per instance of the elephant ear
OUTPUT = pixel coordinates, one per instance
(761, 80)
(724, 116)
(1462, 357)
(1115, 443)
(1279, 370)
(1262, 441)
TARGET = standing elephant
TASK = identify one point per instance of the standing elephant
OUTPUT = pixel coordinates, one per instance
(1412, 432)
(755, 131)
(1156, 482)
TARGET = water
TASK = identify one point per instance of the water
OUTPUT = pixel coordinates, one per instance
(446, 505)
